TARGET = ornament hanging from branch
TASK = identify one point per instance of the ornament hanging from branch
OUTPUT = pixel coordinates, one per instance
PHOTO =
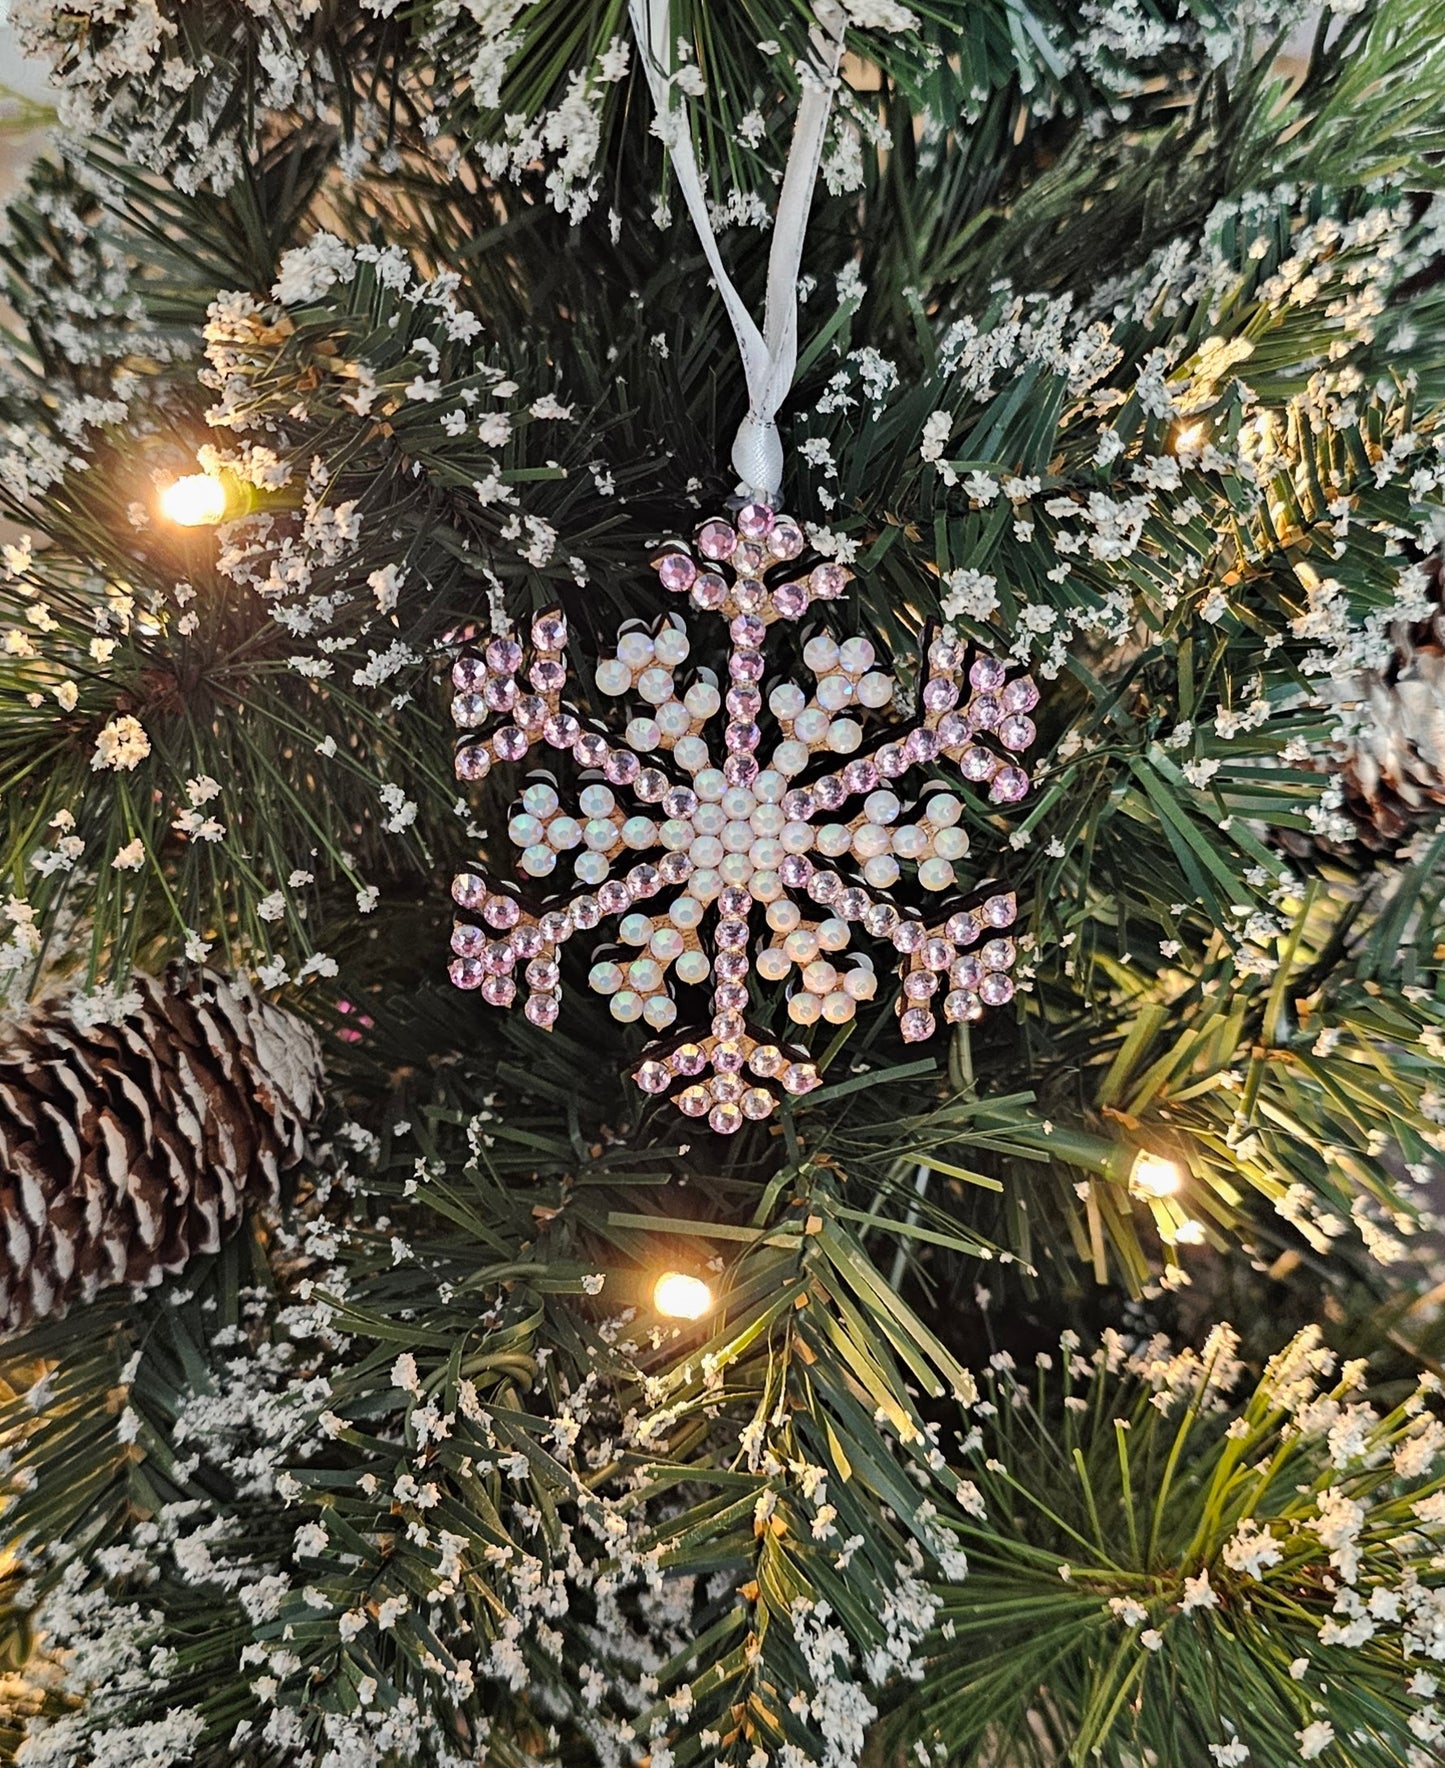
(687, 843)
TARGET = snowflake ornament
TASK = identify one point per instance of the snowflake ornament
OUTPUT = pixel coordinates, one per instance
(718, 865)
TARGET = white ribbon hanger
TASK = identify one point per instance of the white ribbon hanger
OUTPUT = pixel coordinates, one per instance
(770, 355)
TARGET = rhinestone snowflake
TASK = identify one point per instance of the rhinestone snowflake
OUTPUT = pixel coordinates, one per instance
(714, 840)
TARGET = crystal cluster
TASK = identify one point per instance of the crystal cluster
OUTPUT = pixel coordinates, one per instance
(726, 853)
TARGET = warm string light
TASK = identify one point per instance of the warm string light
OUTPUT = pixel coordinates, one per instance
(1190, 438)
(681, 1297)
(1154, 1177)
(196, 501)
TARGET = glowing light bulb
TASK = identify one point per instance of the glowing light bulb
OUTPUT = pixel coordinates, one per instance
(681, 1297)
(1190, 437)
(197, 501)
(1153, 1176)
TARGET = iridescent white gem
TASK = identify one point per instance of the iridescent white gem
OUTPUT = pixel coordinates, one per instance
(787, 700)
(881, 872)
(670, 647)
(875, 691)
(811, 725)
(702, 699)
(709, 819)
(706, 851)
(537, 861)
(564, 833)
(738, 803)
(833, 935)
(596, 801)
(935, 874)
(821, 654)
(540, 800)
(635, 649)
(951, 843)
(613, 676)
(676, 834)
(605, 978)
(591, 868)
(856, 655)
(833, 839)
(765, 886)
(738, 837)
(768, 819)
(835, 692)
(599, 833)
(860, 983)
(691, 753)
(674, 720)
(882, 807)
(626, 1006)
(704, 884)
(645, 975)
(791, 757)
(643, 735)
(783, 917)
(943, 810)
(801, 945)
(869, 840)
(844, 736)
(710, 784)
(773, 964)
(805, 1008)
(655, 685)
(769, 787)
(685, 913)
(635, 929)
(659, 1012)
(737, 868)
(692, 967)
(797, 837)
(819, 976)
(910, 841)
(638, 832)
(666, 944)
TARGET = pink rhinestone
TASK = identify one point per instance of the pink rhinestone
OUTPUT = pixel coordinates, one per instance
(954, 730)
(620, 768)
(560, 730)
(945, 654)
(996, 988)
(881, 919)
(716, 539)
(830, 792)
(679, 802)
(709, 592)
(916, 1024)
(694, 1101)
(510, 744)
(531, 713)
(466, 972)
(674, 868)
(501, 694)
(800, 1077)
(749, 594)
(1020, 695)
(729, 997)
(549, 631)
(735, 903)
(688, 1059)
(732, 936)
(918, 985)
(652, 1077)
(500, 958)
(542, 973)
(961, 1005)
(676, 571)
(795, 870)
(542, 1010)
(554, 927)
(499, 991)
(998, 954)
(755, 521)
(757, 1103)
(725, 1119)
(1009, 784)
(586, 912)
(978, 764)
(892, 760)
(468, 941)
(727, 1058)
(651, 785)
(501, 912)
(765, 1061)
(827, 581)
(921, 746)
(748, 558)
(614, 897)
(966, 973)
(473, 762)
(937, 954)
(786, 538)
(987, 674)
(939, 694)
(644, 881)
(548, 676)
(825, 887)
(743, 703)
(590, 749)
(860, 776)
(791, 600)
(852, 905)
(469, 889)
(468, 711)
(740, 770)
(745, 666)
(468, 674)
(908, 936)
(527, 942)
(504, 656)
(1017, 733)
(985, 711)
(728, 1024)
(742, 739)
(730, 966)
(962, 929)
(799, 806)
(1000, 911)
(725, 1086)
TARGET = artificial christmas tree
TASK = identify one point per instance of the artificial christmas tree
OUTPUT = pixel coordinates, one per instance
(393, 382)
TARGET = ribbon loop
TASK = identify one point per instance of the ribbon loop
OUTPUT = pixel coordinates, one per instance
(770, 355)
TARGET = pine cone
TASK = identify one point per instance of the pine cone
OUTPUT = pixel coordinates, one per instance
(127, 1148)
(1395, 776)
